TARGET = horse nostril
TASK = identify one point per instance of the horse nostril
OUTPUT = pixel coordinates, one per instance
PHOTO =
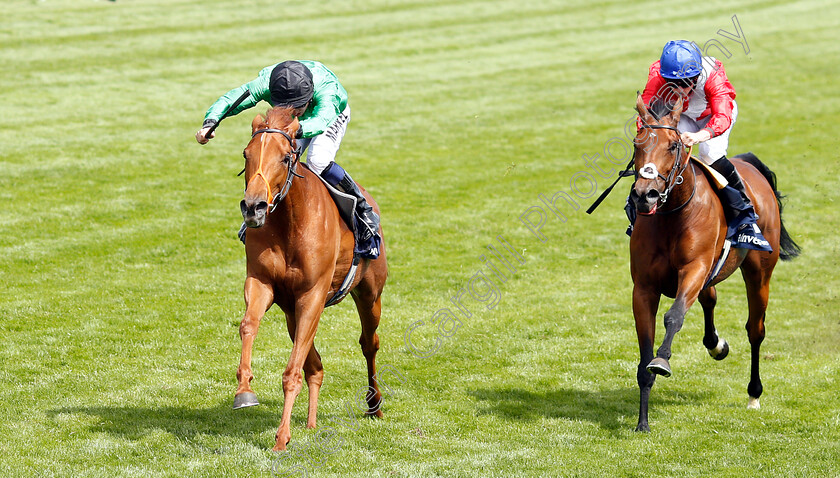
(652, 195)
(261, 206)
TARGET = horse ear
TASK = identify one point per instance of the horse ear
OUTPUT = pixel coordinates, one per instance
(643, 111)
(676, 111)
(258, 121)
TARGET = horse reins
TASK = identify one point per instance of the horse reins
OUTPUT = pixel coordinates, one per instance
(674, 178)
(291, 157)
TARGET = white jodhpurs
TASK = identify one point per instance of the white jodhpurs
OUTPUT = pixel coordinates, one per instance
(711, 150)
(323, 148)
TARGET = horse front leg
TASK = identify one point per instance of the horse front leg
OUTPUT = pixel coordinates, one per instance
(688, 288)
(313, 369)
(258, 298)
(306, 316)
(645, 304)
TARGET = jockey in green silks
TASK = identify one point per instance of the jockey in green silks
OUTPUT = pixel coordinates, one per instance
(321, 106)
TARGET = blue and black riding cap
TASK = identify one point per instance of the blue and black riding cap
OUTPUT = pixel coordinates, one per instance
(681, 63)
(290, 84)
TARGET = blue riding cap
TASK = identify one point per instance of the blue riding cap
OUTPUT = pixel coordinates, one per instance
(680, 59)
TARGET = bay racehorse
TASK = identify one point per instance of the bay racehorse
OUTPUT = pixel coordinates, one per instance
(298, 253)
(678, 239)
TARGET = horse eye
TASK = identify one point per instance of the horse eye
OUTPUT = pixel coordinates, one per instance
(674, 146)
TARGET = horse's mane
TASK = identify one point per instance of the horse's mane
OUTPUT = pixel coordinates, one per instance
(279, 117)
(660, 108)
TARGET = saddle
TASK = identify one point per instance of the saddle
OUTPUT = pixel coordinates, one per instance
(715, 177)
(737, 213)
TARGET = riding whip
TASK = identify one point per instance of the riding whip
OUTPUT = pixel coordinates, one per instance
(227, 113)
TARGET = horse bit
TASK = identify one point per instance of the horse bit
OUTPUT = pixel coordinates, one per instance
(291, 157)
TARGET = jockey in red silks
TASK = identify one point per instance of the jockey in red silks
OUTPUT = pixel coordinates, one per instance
(709, 112)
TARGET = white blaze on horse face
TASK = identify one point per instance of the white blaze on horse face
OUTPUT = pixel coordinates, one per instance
(649, 171)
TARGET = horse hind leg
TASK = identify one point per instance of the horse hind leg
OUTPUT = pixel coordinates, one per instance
(313, 370)
(718, 347)
(758, 293)
(370, 309)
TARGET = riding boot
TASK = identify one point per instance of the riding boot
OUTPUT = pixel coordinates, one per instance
(368, 240)
(740, 214)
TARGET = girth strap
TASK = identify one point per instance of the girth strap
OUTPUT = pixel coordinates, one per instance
(345, 286)
(727, 246)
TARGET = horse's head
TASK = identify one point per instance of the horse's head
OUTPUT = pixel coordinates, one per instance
(658, 155)
(270, 161)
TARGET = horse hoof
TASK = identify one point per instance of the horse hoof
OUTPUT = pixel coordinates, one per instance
(659, 366)
(280, 444)
(642, 428)
(245, 399)
(721, 351)
(753, 404)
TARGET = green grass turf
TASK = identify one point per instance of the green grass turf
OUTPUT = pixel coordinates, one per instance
(121, 278)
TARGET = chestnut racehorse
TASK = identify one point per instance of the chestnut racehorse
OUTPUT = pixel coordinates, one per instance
(678, 239)
(298, 253)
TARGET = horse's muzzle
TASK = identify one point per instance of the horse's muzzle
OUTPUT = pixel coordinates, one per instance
(253, 212)
(645, 199)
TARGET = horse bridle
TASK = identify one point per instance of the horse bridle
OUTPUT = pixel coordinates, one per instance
(291, 158)
(674, 178)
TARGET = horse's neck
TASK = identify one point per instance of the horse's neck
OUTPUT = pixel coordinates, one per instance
(697, 193)
(299, 206)
(682, 196)
(306, 221)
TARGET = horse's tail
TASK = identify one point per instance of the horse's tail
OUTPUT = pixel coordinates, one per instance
(789, 249)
